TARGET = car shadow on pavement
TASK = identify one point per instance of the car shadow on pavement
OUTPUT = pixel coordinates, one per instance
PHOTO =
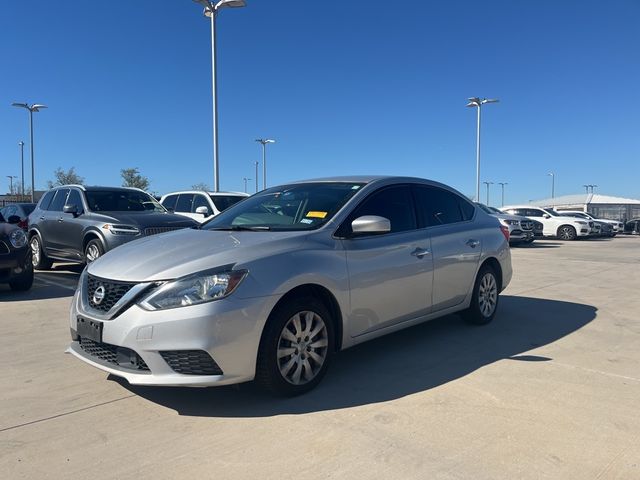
(400, 364)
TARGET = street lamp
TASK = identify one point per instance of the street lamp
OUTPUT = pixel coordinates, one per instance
(245, 179)
(553, 184)
(487, 184)
(36, 107)
(11, 177)
(21, 143)
(264, 142)
(211, 10)
(477, 102)
(502, 184)
(256, 164)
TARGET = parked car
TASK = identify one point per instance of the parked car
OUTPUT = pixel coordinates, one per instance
(273, 286)
(78, 224)
(632, 227)
(616, 226)
(520, 228)
(554, 225)
(198, 205)
(20, 210)
(16, 268)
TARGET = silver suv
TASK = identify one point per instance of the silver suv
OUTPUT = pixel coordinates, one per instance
(78, 224)
(520, 228)
(272, 287)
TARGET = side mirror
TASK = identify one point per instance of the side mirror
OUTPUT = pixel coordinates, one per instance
(370, 224)
(13, 219)
(546, 215)
(203, 210)
(73, 209)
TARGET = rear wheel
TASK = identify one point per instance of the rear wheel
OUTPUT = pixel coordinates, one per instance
(484, 301)
(296, 347)
(93, 251)
(38, 257)
(567, 232)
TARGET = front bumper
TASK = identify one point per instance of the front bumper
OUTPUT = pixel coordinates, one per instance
(228, 330)
(14, 263)
(518, 235)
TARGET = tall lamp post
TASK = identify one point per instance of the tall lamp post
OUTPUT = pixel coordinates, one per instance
(477, 102)
(211, 10)
(21, 143)
(502, 184)
(264, 142)
(256, 165)
(245, 179)
(36, 107)
(553, 184)
(487, 184)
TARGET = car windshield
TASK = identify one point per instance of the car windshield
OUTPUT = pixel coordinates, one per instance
(573, 214)
(551, 212)
(122, 201)
(304, 206)
(222, 202)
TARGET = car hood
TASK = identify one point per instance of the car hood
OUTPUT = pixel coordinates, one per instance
(144, 219)
(183, 252)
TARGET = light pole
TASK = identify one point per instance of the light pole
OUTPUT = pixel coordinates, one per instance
(36, 107)
(245, 179)
(593, 187)
(487, 184)
(477, 102)
(553, 184)
(11, 177)
(502, 184)
(211, 10)
(586, 188)
(256, 164)
(21, 143)
(264, 142)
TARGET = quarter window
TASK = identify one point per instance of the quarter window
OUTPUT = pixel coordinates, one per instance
(439, 207)
(170, 202)
(393, 203)
(46, 200)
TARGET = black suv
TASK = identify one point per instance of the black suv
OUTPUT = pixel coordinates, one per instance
(15, 258)
(78, 224)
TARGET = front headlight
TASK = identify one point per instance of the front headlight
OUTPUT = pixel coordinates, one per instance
(121, 229)
(18, 239)
(192, 290)
(512, 222)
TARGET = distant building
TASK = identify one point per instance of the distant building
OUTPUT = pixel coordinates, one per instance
(600, 206)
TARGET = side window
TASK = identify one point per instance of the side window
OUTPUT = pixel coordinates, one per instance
(437, 206)
(467, 208)
(393, 203)
(184, 203)
(200, 201)
(75, 199)
(46, 200)
(519, 211)
(170, 202)
(58, 200)
(533, 212)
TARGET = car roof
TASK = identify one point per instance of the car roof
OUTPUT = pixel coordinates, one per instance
(507, 207)
(94, 188)
(214, 194)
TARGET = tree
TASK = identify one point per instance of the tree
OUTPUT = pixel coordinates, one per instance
(70, 177)
(200, 186)
(131, 178)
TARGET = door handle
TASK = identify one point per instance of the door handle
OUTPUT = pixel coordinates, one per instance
(473, 243)
(420, 252)
(42, 217)
(60, 219)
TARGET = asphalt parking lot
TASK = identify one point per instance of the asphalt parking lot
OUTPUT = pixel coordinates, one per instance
(550, 389)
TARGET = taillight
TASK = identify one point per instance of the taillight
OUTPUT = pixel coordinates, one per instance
(505, 231)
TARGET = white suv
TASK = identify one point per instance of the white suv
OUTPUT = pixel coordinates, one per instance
(617, 226)
(554, 225)
(199, 205)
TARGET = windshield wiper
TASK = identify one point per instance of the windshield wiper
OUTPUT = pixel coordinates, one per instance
(249, 228)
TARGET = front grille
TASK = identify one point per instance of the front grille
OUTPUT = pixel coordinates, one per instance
(156, 230)
(4, 249)
(119, 356)
(191, 362)
(591, 224)
(113, 292)
(526, 224)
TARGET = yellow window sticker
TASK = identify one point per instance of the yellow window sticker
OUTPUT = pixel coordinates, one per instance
(313, 214)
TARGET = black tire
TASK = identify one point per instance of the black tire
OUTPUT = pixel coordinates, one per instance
(39, 258)
(567, 232)
(269, 368)
(23, 281)
(93, 250)
(477, 314)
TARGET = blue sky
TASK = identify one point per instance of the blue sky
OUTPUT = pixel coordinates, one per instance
(354, 87)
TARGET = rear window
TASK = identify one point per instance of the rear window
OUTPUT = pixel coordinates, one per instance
(27, 209)
(222, 202)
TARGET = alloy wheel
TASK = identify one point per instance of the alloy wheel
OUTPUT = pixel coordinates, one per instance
(35, 251)
(92, 253)
(302, 347)
(488, 294)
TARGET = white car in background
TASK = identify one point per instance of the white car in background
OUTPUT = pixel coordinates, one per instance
(617, 226)
(200, 205)
(554, 225)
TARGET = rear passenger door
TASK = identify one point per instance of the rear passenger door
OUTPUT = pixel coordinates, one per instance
(456, 244)
(50, 227)
(391, 274)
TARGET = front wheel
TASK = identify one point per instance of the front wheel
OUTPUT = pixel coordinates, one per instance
(567, 232)
(93, 251)
(484, 301)
(296, 347)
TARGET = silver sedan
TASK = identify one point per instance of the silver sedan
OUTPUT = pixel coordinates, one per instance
(271, 288)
